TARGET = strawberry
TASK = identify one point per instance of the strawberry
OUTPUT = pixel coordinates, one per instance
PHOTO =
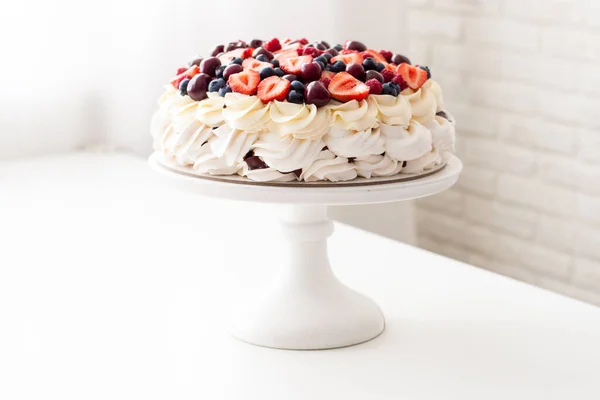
(181, 70)
(375, 87)
(344, 87)
(325, 82)
(374, 54)
(348, 58)
(244, 82)
(287, 54)
(327, 75)
(415, 77)
(230, 55)
(386, 54)
(254, 64)
(311, 51)
(293, 65)
(273, 88)
(186, 74)
(272, 45)
(291, 46)
(346, 51)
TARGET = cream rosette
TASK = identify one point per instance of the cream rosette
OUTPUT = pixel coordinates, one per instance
(405, 144)
(377, 165)
(353, 115)
(435, 89)
(423, 104)
(391, 110)
(187, 137)
(302, 121)
(266, 175)
(349, 143)
(210, 110)
(427, 161)
(329, 167)
(208, 163)
(443, 134)
(231, 145)
(161, 126)
(287, 153)
(245, 113)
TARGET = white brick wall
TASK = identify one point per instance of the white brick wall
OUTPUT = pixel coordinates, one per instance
(523, 80)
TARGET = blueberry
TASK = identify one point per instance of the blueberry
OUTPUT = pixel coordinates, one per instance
(266, 72)
(380, 67)
(323, 59)
(183, 87)
(338, 66)
(279, 72)
(275, 63)
(297, 86)
(262, 57)
(328, 56)
(216, 84)
(425, 68)
(396, 88)
(219, 71)
(369, 64)
(224, 90)
(338, 47)
(388, 88)
(295, 97)
(237, 60)
(322, 64)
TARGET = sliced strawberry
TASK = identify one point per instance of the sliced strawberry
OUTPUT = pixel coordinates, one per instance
(291, 46)
(187, 74)
(348, 58)
(293, 65)
(230, 55)
(254, 64)
(244, 82)
(346, 51)
(327, 74)
(273, 88)
(272, 45)
(311, 51)
(344, 87)
(181, 70)
(413, 76)
(287, 54)
(375, 55)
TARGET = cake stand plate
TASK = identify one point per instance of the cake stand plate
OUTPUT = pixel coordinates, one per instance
(307, 307)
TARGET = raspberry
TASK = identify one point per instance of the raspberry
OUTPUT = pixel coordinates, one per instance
(181, 70)
(272, 45)
(375, 86)
(400, 81)
(386, 54)
(303, 41)
(325, 82)
(311, 51)
(387, 75)
(300, 51)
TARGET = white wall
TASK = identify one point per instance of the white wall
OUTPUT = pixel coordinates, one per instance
(523, 79)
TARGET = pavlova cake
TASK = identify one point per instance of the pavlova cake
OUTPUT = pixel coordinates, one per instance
(292, 110)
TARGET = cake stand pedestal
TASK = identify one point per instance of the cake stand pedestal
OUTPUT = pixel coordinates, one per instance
(307, 307)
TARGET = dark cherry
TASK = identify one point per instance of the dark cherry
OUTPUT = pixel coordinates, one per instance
(320, 46)
(195, 61)
(332, 51)
(230, 70)
(236, 45)
(198, 86)
(354, 45)
(209, 65)
(356, 70)
(291, 77)
(372, 74)
(219, 49)
(255, 162)
(324, 43)
(316, 93)
(254, 43)
(399, 59)
(261, 50)
(311, 71)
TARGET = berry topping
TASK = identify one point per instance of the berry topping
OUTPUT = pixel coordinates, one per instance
(354, 45)
(273, 88)
(293, 65)
(256, 43)
(325, 81)
(197, 87)
(303, 41)
(380, 67)
(195, 61)
(413, 76)
(219, 71)
(425, 68)
(295, 97)
(333, 52)
(279, 72)
(356, 70)
(344, 87)
(297, 86)
(386, 54)
(216, 84)
(324, 58)
(237, 53)
(237, 60)
(254, 64)
(224, 90)
(338, 47)
(311, 71)
(255, 162)
(390, 88)
(240, 44)
(280, 55)
(272, 45)
(375, 55)
(348, 58)
(399, 80)
(387, 75)
(374, 75)
(399, 59)
(230, 70)
(181, 70)
(209, 65)
(262, 58)
(187, 74)
(219, 49)
(311, 51)
(275, 63)
(369, 63)
(262, 51)
(337, 66)
(316, 93)
(266, 72)
(290, 77)
(183, 87)
(375, 86)
(245, 82)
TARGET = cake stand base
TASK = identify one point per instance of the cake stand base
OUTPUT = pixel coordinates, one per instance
(307, 308)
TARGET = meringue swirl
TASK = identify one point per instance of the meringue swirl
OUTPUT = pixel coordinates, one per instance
(231, 145)
(210, 110)
(422, 104)
(188, 136)
(246, 113)
(423, 163)
(443, 134)
(377, 165)
(302, 121)
(434, 88)
(266, 175)
(287, 153)
(392, 110)
(349, 143)
(353, 115)
(406, 144)
(329, 167)
(207, 163)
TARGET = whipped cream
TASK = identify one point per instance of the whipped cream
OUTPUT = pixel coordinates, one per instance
(207, 163)
(231, 145)
(210, 110)
(435, 89)
(377, 165)
(349, 143)
(329, 167)
(187, 137)
(391, 110)
(266, 175)
(353, 115)
(246, 113)
(405, 144)
(287, 153)
(302, 121)
(427, 161)
(422, 104)
(443, 134)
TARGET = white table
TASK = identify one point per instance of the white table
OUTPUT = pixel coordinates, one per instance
(104, 276)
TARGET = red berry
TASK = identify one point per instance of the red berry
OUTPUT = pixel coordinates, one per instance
(387, 75)
(244, 82)
(311, 51)
(273, 88)
(386, 54)
(293, 65)
(348, 58)
(187, 74)
(375, 87)
(374, 54)
(346, 51)
(344, 87)
(325, 81)
(303, 41)
(181, 70)
(272, 45)
(300, 51)
(414, 77)
(254, 64)
(400, 81)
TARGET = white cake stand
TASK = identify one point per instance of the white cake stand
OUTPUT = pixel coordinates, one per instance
(308, 308)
